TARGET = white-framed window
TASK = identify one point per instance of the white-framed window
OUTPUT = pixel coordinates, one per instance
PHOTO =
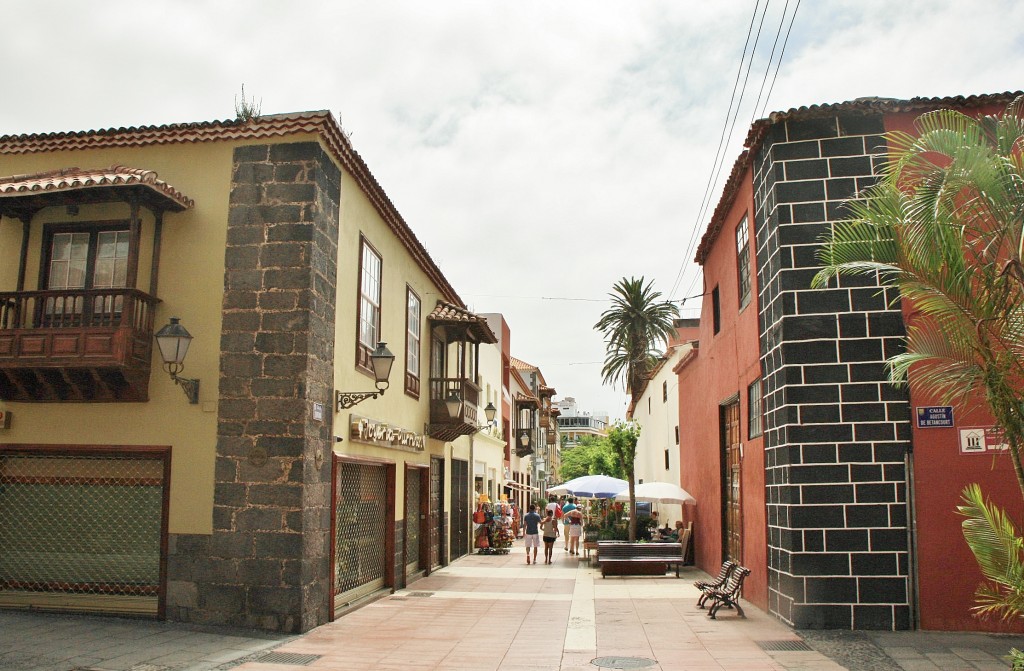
(754, 412)
(413, 315)
(370, 266)
(743, 261)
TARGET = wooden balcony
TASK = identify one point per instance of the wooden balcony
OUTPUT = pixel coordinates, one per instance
(82, 345)
(442, 425)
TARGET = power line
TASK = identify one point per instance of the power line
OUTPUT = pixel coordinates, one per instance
(771, 88)
(771, 57)
(719, 153)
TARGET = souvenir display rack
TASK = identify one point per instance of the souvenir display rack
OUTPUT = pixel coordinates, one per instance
(492, 527)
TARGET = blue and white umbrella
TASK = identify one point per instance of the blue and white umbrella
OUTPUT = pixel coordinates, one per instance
(591, 487)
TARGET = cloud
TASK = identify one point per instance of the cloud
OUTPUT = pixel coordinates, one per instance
(536, 148)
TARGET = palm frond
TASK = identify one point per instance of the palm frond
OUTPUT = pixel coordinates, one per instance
(998, 549)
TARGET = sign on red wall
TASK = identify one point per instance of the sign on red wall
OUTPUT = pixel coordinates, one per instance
(982, 440)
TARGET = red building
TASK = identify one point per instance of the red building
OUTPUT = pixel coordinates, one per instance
(807, 465)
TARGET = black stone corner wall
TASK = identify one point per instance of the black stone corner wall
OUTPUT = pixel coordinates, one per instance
(836, 431)
(266, 564)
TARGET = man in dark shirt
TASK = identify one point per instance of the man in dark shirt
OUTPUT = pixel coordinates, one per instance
(531, 524)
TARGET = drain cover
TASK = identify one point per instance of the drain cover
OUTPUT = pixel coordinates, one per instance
(786, 646)
(420, 594)
(623, 662)
(293, 658)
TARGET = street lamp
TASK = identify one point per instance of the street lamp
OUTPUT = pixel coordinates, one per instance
(173, 341)
(380, 361)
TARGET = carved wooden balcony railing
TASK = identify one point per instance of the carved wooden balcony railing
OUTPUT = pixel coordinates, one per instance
(442, 425)
(76, 345)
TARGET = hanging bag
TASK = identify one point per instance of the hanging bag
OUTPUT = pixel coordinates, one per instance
(479, 517)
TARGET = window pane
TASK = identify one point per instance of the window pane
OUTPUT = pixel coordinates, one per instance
(369, 300)
(754, 417)
(412, 354)
(743, 261)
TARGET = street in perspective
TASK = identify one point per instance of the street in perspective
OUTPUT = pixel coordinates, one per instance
(512, 336)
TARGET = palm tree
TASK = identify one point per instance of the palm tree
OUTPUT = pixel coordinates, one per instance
(945, 224)
(636, 328)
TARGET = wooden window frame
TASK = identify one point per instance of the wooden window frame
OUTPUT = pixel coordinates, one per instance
(363, 351)
(716, 310)
(412, 372)
(93, 228)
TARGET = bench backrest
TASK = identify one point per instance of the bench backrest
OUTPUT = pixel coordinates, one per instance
(735, 581)
(613, 550)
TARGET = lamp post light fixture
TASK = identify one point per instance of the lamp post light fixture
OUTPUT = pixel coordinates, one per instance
(173, 341)
(489, 412)
(381, 361)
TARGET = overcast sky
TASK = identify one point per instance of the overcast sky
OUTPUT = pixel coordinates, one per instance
(540, 150)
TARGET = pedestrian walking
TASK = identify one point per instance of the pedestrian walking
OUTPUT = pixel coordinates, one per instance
(549, 531)
(570, 505)
(531, 529)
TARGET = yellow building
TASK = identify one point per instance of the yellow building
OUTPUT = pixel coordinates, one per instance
(284, 485)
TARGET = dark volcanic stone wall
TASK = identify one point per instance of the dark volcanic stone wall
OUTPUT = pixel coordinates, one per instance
(266, 564)
(837, 433)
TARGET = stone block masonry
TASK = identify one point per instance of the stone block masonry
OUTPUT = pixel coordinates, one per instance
(266, 565)
(836, 432)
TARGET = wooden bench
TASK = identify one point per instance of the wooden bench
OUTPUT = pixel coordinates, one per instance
(623, 558)
(706, 587)
(729, 594)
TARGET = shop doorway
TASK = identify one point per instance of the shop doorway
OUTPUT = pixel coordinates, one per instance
(436, 522)
(362, 530)
(459, 545)
(84, 528)
(731, 446)
(416, 532)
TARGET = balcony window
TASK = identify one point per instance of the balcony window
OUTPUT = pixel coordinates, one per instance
(84, 257)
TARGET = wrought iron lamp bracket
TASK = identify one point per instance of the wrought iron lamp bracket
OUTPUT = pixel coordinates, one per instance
(344, 399)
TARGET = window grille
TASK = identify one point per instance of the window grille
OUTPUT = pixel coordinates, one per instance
(359, 527)
(84, 525)
(412, 520)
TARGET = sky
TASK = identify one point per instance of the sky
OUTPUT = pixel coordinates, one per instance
(541, 151)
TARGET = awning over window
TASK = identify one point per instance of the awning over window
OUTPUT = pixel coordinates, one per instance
(22, 196)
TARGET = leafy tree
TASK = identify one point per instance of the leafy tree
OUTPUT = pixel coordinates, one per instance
(945, 224)
(591, 456)
(623, 437)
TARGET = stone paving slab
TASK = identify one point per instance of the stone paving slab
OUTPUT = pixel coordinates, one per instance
(495, 613)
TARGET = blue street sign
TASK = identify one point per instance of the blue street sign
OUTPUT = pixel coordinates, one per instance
(935, 417)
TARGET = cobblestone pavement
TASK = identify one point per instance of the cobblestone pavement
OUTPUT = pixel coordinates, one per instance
(494, 612)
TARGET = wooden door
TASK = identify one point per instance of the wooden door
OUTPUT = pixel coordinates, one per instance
(732, 516)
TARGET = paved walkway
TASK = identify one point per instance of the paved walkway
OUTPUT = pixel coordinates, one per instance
(494, 612)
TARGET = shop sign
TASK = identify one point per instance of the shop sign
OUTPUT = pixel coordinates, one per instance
(982, 440)
(382, 434)
(935, 417)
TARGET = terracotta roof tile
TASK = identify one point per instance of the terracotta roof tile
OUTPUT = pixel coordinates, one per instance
(71, 179)
(266, 127)
(453, 314)
(526, 399)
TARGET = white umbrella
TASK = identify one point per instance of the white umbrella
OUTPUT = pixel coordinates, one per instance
(592, 487)
(559, 490)
(659, 492)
